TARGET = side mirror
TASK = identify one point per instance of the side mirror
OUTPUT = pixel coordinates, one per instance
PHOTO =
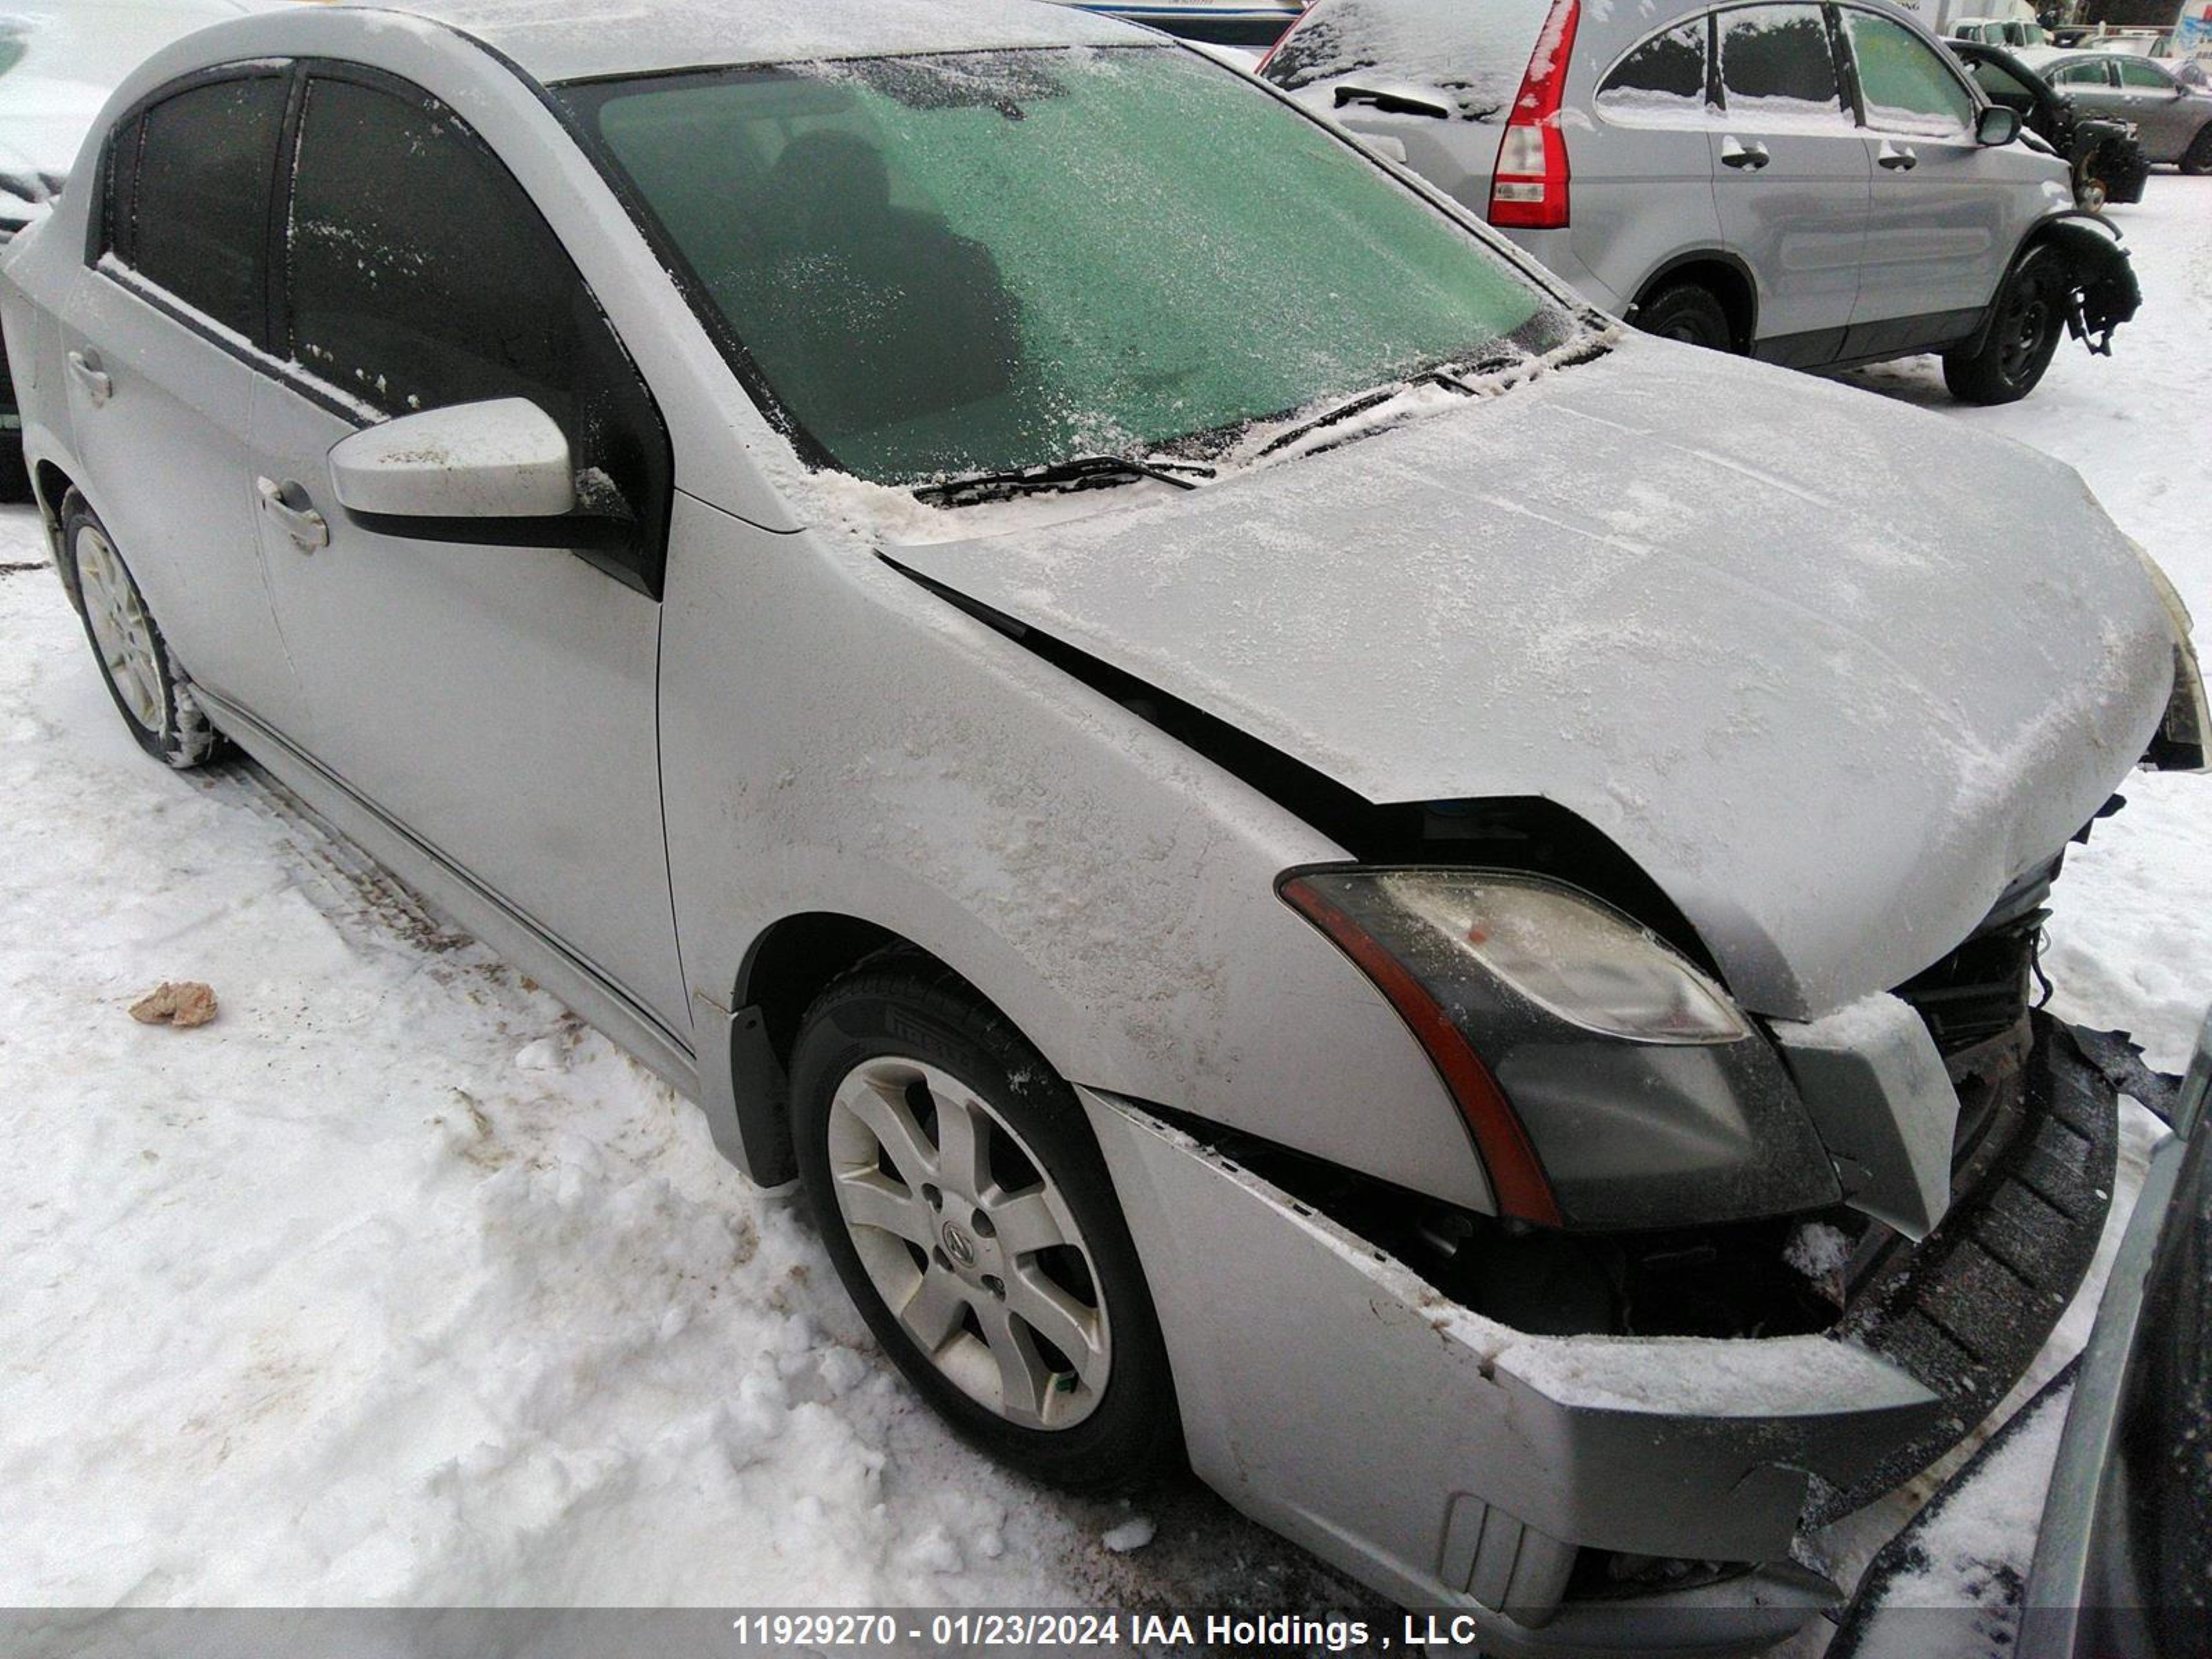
(504, 458)
(1997, 126)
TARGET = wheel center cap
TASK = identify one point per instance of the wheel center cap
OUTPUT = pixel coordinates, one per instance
(958, 1245)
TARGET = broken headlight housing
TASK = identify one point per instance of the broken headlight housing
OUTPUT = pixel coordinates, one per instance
(1608, 1081)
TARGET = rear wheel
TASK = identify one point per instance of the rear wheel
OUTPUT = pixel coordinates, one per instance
(2198, 158)
(150, 691)
(1688, 313)
(2023, 335)
(968, 1211)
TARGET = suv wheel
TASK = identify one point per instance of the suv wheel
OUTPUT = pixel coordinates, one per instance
(954, 1181)
(151, 692)
(1688, 313)
(2198, 158)
(2023, 335)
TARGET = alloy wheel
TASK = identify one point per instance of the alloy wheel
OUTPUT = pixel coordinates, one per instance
(969, 1243)
(120, 627)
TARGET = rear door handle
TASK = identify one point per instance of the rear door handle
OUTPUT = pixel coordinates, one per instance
(99, 386)
(1752, 156)
(1897, 158)
(288, 505)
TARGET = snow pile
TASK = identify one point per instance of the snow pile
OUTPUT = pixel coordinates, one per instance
(396, 1284)
(1972, 1551)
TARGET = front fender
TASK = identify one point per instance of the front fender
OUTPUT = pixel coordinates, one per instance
(2105, 291)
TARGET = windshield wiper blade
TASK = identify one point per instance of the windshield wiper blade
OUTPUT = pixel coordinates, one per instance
(1449, 380)
(1083, 472)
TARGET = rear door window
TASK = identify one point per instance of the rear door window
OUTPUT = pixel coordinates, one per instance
(189, 197)
(1778, 69)
(1903, 85)
(1663, 79)
(2080, 74)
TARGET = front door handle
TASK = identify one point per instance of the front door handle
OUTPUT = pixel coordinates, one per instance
(295, 514)
(1897, 158)
(1752, 156)
(99, 386)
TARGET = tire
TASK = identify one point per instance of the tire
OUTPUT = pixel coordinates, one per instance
(1690, 314)
(150, 691)
(888, 1060)
(2024, 327)
(2198, 158)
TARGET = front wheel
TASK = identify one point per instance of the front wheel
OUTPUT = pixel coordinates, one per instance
(150, 691)
(968, 1211)
(2023, 335)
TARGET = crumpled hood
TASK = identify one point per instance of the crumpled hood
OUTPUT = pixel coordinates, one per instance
(1832, 669)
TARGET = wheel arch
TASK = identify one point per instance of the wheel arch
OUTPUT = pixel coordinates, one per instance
(50, 487)
(2064, 230)
(789, 963)
(1721, 273)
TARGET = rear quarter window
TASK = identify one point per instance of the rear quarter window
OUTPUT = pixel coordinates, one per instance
(1661, 80)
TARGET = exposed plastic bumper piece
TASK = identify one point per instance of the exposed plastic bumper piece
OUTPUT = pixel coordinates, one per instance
(1444, 1460)
(1967, 1311)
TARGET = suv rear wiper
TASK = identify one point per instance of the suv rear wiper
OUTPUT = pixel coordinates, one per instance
(1085, 472)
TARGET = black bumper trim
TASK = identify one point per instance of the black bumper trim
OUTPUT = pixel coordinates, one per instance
(1967, 1312)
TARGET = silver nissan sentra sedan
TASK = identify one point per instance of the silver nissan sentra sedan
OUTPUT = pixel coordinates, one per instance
(1322, 864)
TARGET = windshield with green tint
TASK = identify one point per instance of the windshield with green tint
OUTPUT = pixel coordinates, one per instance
(939, 267)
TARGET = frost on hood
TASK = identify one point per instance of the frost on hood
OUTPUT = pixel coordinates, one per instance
(1729, 617)
(1477, 53)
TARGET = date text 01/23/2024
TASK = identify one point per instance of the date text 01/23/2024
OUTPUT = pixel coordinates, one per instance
(1025, 1629)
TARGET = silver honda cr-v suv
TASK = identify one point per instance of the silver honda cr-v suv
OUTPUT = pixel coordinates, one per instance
(1819, 185)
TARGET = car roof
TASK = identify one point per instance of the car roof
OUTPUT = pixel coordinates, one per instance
(557, 40)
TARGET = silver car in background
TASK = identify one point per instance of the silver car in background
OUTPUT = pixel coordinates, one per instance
(1817, 184)
(1325, 864)
(2172, 119)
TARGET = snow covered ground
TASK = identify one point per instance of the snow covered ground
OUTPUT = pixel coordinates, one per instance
(395, 1285)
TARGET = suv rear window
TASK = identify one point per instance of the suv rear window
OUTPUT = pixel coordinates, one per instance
(1475, 50)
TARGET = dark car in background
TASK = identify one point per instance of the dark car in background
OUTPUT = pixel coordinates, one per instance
(2108, 160)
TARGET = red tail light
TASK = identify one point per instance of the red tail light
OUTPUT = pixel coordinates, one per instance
(1528, 188)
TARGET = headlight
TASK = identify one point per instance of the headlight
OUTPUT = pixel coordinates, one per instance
(1564, 953)
(1608, 1081)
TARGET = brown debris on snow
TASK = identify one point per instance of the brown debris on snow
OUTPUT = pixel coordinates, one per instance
(184, 1003)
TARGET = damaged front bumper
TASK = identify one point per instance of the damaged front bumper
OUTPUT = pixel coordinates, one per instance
(1331, 1392)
